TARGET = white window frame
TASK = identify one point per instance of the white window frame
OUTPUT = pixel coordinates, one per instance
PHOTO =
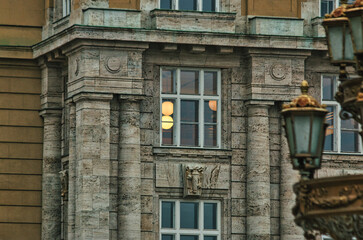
(177, 97)
(66, 7)
(175, 5)
(336, 4)
(176, 231)
(325, 237)
(336, 120)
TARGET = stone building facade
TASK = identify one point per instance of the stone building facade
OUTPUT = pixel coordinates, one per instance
(216, 166)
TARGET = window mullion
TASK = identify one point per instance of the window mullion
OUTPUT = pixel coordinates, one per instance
(177, 220)
(201, 109)
(178, 106)
(339, 131)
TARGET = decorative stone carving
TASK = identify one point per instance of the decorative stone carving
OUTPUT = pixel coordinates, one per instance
(278, 72)
(113, 64)
(193, 179)
(77, 67)
(64, 184)
(331, 206)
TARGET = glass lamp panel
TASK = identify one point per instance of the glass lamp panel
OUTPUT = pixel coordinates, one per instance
(189, 237)
(167, 237)
(290, 134)
(336, 42)
(356, 25)
(330, 131)
(210, 81)
(210, 215)
(189, 82)
(168, 80)
(187, 4)
(167, 214)
(210, 135)
(302, 128)
(189, 135)
(348, 50)
(317, 131)
(189, 215)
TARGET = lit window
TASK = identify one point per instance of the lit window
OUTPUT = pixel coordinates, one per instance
(66, 7)
(192, 5)
(189, 220)
(341, 135)
(190, 107)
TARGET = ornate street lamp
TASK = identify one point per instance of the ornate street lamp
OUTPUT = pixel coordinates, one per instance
(305, 131)
(334, 205)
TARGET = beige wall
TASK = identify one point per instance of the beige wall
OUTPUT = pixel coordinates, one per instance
(276, 8)
(21, 128)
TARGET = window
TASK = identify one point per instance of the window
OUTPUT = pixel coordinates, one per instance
(324, 237)
(189, 220)
(327, 6)
(192, 5)
(341, 135)
(190, 107)
(66, 7)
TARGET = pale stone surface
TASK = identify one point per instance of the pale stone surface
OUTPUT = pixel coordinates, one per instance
(276, 26)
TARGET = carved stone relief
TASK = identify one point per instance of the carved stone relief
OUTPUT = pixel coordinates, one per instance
(278, 71)
(113, 64)
(64, 184)
(193, 179)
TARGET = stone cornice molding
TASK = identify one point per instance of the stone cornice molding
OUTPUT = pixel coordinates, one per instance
(50, 113)
(92, 97)
(131, 98)
(145, 36)
(259, 103)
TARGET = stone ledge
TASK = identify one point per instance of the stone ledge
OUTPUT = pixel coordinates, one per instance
(318, 29)
(180, 152)
(193, 21)
(112, 17)
(276, 26)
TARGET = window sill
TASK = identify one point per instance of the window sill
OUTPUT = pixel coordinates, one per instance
(198, 21)
(191, 152)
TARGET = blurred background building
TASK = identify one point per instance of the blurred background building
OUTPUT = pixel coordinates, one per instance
(158, 119)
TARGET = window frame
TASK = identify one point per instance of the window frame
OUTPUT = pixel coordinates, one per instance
(175, 6)
(178, 97)
(66, 7)
(336, 4)
(201, 232)
(337, 121)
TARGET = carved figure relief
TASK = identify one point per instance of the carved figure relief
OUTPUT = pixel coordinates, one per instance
(64, 184)
(193, 179)
(113, 64)
(278, 72)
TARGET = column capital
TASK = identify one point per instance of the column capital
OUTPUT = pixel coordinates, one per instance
(92, 97)
(50, 113)
(131, 98)
(259, 103)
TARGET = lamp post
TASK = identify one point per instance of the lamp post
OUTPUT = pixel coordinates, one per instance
(331, 205)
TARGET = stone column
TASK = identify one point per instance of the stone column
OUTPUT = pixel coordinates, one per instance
(258, 173)
(288, 229)
(51, 187)
(92, 209)
(129, 175)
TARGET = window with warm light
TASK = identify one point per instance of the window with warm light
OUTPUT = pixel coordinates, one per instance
(190, 107)
(189, 220)
(342, 136)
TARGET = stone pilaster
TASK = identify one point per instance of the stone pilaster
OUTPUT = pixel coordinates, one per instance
(288, 229)
(258, 173)
(92, 204)
(129, 175)
(72, 171)
(51, 187)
